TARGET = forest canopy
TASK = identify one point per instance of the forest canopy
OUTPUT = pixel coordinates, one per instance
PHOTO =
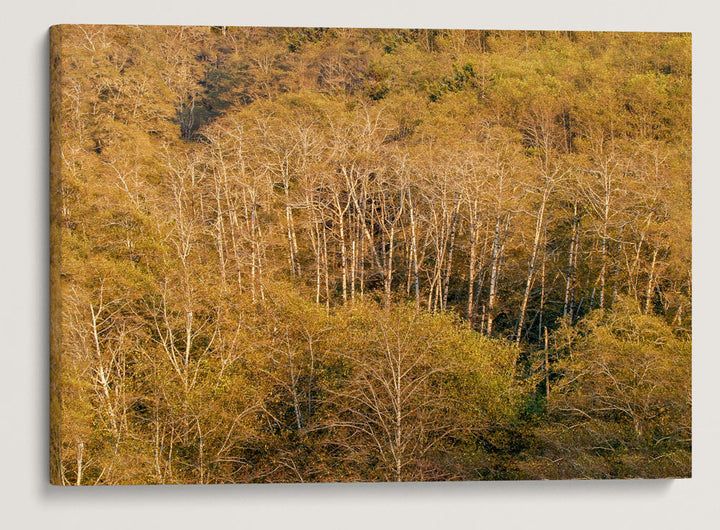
(325, 254)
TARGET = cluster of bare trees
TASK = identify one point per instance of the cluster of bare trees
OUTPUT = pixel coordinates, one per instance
(489, 227)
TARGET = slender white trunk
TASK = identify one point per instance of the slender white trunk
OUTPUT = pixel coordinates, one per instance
(539, 226)
(494, 274)
(448, 271)
(568, 306)
(651, 282)
(413, 250)
(471, 267)
(80, 450)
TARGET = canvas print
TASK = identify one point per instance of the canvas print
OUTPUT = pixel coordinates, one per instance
(334, 254)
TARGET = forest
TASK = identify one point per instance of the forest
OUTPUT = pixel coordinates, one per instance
(333, 254)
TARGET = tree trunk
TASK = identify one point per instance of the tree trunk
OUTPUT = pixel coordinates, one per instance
(288, 222)
(539, 226)
(471, 266)
(325, 265)
(389, 270)
(413, 251)
(547, 367)
(651, 280)
(448, 270)
(542, 291)
(494, 274)
(568, 306)
(80, 449)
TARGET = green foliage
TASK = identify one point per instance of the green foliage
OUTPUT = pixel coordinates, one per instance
(622, 401)
(462, 78)
(296, 39)
(630, 367)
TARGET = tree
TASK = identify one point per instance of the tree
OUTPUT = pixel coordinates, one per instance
(418, 384)
(624, 390)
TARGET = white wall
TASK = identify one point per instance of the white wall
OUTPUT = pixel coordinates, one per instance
(26, 499)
